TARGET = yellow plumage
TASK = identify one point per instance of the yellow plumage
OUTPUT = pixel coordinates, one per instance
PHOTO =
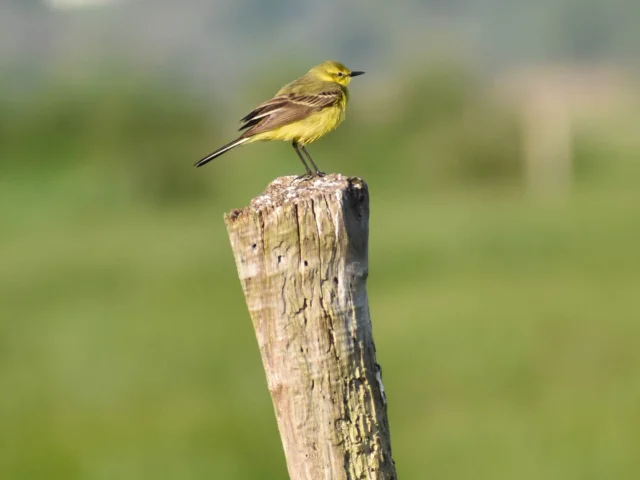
(301, 112)
(308, 129)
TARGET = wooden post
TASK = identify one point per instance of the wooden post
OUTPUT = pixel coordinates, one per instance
(301, 249)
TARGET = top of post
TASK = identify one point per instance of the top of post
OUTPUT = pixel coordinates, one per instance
(293, 189)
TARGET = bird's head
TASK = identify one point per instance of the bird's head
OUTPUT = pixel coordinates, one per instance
(331, 71)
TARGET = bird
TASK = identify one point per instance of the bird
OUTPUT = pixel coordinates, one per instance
(301, 112)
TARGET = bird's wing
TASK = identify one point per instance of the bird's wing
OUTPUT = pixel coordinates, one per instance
(287, 108)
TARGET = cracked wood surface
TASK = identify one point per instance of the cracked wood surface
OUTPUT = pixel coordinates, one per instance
(301, 249)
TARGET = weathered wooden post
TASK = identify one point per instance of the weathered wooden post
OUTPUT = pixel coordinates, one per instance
(301, 249)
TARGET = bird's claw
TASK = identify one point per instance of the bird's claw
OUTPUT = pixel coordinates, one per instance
(310, 175)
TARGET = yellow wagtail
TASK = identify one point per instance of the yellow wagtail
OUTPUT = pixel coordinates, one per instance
(301, 112)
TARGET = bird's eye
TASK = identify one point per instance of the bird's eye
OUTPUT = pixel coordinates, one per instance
(339, 74)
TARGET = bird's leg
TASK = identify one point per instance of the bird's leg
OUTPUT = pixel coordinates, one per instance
(296, 148)
(318, 172)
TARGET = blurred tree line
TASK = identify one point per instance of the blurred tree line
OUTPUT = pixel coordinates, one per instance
(443, 127)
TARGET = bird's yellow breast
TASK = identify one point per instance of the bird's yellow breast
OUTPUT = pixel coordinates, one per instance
(308, 129)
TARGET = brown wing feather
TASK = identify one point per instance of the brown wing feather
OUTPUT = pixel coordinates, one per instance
(285, 109)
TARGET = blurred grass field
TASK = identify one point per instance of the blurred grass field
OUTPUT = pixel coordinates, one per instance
(506, 325)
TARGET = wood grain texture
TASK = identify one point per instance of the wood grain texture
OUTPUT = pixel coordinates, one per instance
(301, 250)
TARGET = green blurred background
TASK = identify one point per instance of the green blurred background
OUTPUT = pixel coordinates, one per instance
(501, 147)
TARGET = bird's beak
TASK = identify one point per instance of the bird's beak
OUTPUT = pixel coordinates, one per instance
(355, 74)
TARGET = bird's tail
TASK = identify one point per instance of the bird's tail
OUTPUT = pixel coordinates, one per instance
(221, 150)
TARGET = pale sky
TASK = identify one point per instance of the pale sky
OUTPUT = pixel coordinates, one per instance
(78, 3)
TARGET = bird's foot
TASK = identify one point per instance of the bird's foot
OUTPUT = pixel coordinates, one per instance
(306, 176)
(310, 175)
